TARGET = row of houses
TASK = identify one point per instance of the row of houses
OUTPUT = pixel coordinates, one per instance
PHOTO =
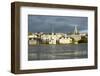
(57, 38)
(49, 39)
(53, 38)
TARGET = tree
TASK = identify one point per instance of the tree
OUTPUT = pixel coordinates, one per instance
(83, 39)
(30, 33)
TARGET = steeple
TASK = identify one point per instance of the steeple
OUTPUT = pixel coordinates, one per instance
(75, 30)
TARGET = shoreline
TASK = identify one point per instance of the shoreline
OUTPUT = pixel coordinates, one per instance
(53, 44)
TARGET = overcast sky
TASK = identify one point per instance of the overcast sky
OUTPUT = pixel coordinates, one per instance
(41, 23)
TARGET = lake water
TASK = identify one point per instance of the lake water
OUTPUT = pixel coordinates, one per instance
(52, 52)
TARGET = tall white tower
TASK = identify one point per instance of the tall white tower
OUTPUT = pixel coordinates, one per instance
(75, 30)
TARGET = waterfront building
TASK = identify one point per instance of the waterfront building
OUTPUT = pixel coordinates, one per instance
(65, 40)
(31, 37)
(52, 41)
(76, 35)
(32, 42)
(57, 38)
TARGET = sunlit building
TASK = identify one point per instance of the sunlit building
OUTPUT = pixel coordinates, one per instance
(57, 38)
(65, 40)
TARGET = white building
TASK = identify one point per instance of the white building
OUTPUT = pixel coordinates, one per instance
(32, 42)
(65, 40)
(32, 36)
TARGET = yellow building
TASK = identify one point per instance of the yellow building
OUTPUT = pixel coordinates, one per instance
(65, 40)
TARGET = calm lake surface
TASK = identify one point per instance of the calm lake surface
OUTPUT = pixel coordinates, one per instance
(52, 52)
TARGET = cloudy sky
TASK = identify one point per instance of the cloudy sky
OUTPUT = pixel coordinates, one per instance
(41, 23)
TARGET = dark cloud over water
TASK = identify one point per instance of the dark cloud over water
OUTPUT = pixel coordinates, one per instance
(41, 23)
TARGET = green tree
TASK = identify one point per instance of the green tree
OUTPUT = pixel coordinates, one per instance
(30, 33)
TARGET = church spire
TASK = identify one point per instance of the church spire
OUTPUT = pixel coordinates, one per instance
(75, 30)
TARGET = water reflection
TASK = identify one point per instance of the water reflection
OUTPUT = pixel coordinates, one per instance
(52, 52)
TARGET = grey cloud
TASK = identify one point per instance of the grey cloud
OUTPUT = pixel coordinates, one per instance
(40, 23)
